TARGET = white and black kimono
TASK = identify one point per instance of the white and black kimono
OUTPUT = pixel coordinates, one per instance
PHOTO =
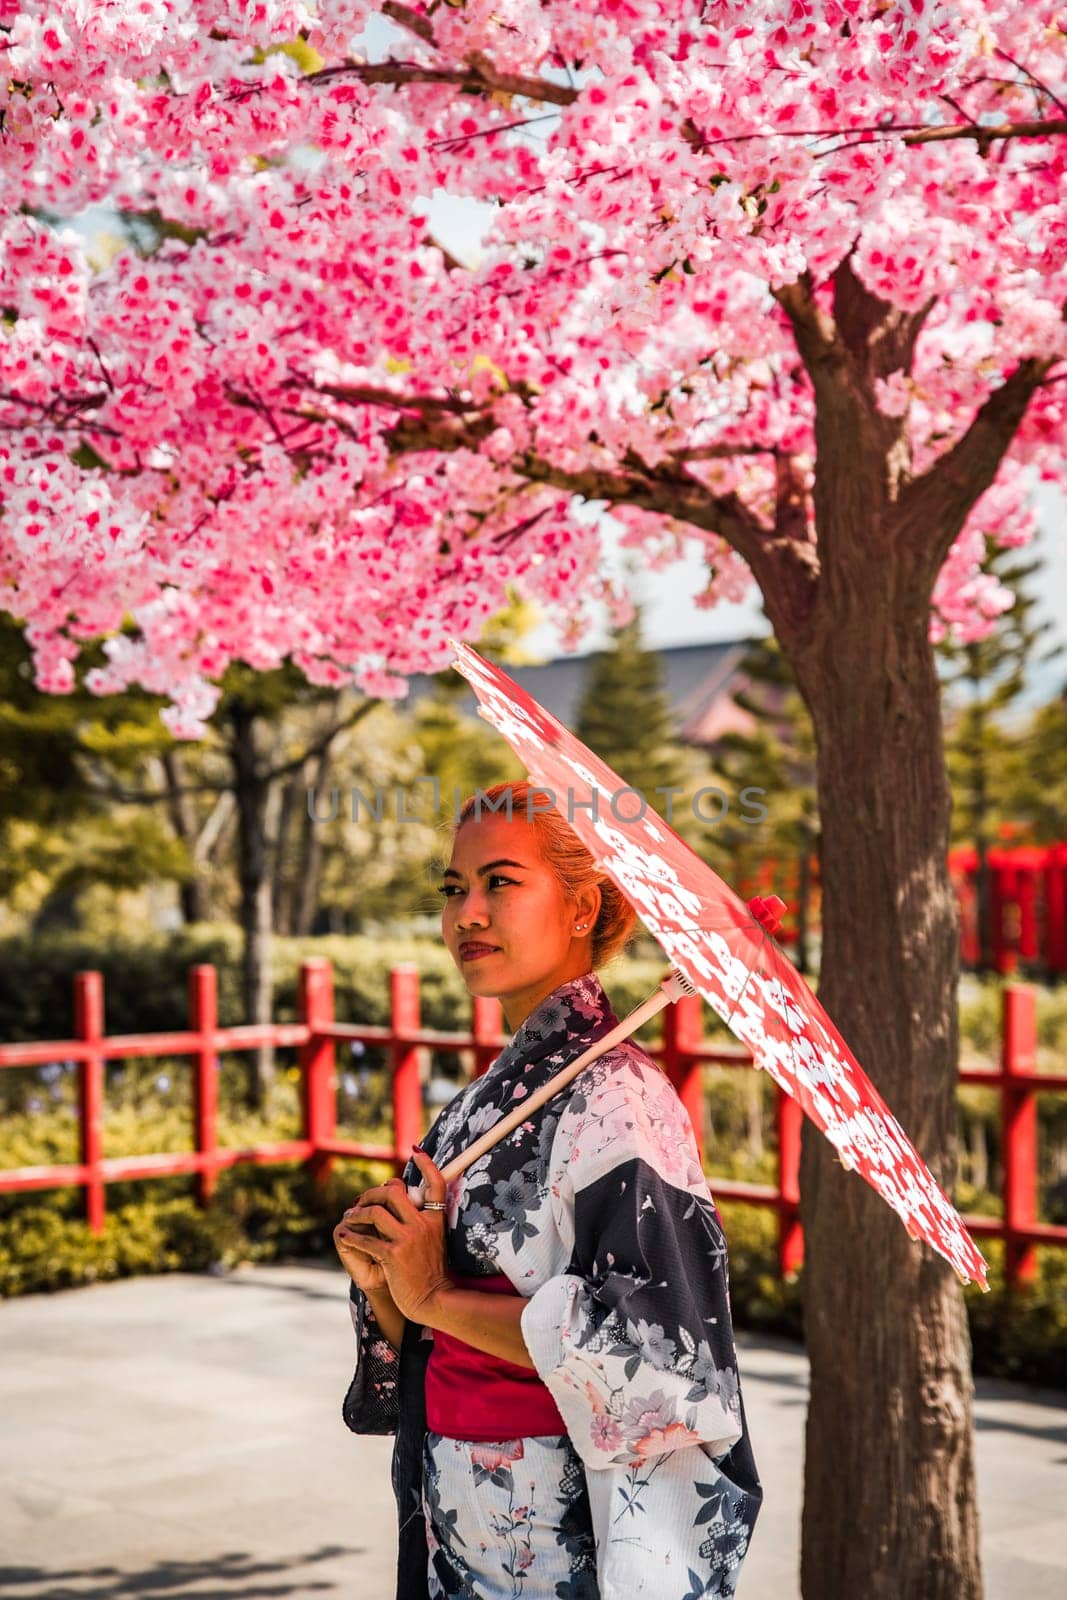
(599, 1213)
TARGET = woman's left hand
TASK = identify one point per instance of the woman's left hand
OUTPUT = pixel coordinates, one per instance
(409, 1244)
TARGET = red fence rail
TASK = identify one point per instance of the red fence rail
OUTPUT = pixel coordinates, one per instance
(683, 1054)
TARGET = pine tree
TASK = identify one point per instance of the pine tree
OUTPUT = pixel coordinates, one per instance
(1035, 773)
(777, 758)
(624, 715)
(58, 837)
(982, 679)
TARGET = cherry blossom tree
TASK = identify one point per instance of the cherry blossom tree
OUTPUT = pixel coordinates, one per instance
(786, 277)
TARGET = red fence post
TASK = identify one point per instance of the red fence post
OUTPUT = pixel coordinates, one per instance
(203, 1020)
(790, 1121)
(1018, 1064)
(89, 1027)
(318, 1098)
(683, 1034)
(407, 1090)
(486, 1027)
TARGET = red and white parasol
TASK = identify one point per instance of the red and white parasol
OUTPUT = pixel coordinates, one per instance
(723, 947)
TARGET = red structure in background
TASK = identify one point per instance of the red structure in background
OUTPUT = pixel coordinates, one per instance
(783, 878)
(683, 1055)
(1027, 900)
(1027, 906)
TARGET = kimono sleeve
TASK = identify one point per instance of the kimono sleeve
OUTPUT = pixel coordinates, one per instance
(634, 1340)
(372, 1402)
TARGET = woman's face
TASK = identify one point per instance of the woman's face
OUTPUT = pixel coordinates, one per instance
(499, 893)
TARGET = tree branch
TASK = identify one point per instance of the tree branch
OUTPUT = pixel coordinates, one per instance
(933, 508)
(114, 791)
(879, 336)
(821, 347)
(211, 833)
(321, 746)
(1038, 83)
(790, 500)
(786, 566)
(722, 452)
(451, 262)
(985, 134)
(101, 783)
(404, 17)
(370, 395)
(477, 75)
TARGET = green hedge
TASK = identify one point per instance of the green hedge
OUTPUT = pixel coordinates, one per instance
(146, 979)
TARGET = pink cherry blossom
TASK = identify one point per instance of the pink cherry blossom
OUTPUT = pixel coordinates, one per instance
(293, 426)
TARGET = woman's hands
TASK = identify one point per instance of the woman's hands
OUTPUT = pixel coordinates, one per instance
(365, 1273)
(386, 1242)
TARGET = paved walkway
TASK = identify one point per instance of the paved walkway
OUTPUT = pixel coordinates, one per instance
(182, 1435)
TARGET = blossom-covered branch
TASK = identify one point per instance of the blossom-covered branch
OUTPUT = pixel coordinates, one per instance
(723, 268)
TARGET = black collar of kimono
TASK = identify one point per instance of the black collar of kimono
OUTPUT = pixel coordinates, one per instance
(576, 1009)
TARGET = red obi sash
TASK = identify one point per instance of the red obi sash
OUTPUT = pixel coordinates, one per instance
(476, 1396)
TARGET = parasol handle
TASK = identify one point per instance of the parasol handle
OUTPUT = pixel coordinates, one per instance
(672, 988)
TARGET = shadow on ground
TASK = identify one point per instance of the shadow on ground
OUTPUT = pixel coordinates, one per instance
(233, 1576)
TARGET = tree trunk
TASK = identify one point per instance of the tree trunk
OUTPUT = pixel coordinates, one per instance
(889, 1445)
(309, 873)
(252, 793)
(192, 895)
(282, 888)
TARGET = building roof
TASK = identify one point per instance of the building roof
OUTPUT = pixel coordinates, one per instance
(697, 679)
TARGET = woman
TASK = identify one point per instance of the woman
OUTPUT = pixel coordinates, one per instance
(551, 1338)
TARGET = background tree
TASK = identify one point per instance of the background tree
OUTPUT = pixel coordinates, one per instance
(61, 843)
(983, 679)
(625, 715)
(260, 778)
(1035, 782)
(777, 757)
(786, 281)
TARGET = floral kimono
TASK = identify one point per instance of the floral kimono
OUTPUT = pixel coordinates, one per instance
(599, 1213)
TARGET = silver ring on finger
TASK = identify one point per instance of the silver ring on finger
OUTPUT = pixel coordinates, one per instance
(433, 1205)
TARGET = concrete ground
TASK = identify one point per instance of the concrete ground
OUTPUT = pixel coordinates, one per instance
(182, 1435)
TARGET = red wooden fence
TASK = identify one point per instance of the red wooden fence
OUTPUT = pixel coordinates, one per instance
(683, 1054)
